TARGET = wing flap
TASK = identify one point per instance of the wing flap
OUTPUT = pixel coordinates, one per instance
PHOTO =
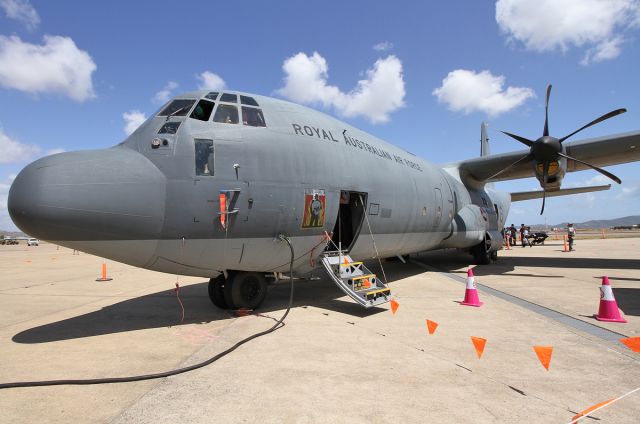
(528, 195)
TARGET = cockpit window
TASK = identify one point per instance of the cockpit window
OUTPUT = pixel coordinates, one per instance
(227, 97)
(252, 117)
(250, 101)
(170, 127)
(181, 106)
(213, 95)
(203, 110)
(227, 114)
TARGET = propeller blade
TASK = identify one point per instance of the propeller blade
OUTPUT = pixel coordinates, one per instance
(600, 170)
(527, 156)
(600, 119)
(522, 140)
(546, 112)
(545, 172)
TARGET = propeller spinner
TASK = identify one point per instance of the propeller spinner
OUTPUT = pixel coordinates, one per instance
(546, 151)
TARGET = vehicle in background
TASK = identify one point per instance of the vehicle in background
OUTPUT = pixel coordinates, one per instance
(32, 242)
(8, 240)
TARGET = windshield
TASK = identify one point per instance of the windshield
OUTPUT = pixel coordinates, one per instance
(178, 107)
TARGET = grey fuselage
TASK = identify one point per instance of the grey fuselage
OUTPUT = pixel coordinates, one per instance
(142, 203)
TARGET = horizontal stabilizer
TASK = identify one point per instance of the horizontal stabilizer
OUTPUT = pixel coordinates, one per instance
(528, 195)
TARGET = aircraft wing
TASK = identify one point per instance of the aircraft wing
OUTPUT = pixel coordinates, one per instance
(601, 151)
(538, 194)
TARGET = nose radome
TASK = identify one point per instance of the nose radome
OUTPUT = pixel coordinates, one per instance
(88, 196)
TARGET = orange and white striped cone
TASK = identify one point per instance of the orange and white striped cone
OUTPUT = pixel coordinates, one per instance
(471, 293)
(608, 310)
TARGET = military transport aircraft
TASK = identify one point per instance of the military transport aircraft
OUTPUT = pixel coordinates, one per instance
(211, 184)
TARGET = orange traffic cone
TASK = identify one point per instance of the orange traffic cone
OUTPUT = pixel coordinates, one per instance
(565, 244)
(104, 277)
(608, 310)
(471, 293)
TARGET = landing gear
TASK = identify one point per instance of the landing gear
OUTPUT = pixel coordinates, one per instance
(240, 290)
(481, 253)
(216, 291)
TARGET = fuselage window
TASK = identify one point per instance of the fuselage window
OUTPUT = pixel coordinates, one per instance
(212, 96)
(252, 117)
(178, 107)
(227, 97)
(204, 157)
(203, 110)
(249, 101)
(227, 114)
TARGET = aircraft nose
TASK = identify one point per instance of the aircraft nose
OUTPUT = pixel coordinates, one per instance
(99, 195)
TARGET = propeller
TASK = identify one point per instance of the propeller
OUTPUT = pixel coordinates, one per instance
(547, 149)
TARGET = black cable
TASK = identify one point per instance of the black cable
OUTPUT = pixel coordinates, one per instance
(277, 325)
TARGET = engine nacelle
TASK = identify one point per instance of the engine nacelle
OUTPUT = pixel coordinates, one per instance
(557, 171)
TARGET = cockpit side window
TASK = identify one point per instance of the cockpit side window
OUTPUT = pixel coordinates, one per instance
(204, 156)
(227, 114)
(178, 107)
(212, 95)
(203, 110)
(252, 117)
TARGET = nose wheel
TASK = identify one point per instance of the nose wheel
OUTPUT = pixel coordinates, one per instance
(240, 290)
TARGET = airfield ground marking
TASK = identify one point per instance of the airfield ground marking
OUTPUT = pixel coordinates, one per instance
(587, 327)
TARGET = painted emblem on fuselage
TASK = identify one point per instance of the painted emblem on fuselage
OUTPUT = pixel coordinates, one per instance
(314, 206)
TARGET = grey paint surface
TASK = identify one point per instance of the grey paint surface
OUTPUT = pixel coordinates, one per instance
(146, 206)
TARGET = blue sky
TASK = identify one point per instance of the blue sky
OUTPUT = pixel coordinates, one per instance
(421, 75)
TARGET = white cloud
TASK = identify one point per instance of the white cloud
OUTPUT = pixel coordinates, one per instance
(133, 119)
(607, 50)
(631, 191)
(14, 152)
(166, 93)
(21, 11)
(374, 98)
(211, 81)
(468, 91)
(5, 221)
(57, 66)
(548, 25)
(383, 46)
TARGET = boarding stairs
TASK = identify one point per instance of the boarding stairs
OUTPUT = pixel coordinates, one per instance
(355, 279)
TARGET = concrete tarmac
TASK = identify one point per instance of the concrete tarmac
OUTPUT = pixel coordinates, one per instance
(333, 361)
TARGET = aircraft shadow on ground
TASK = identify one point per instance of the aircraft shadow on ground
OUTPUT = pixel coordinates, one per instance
(628, 300)
(452, 260)
(161, 309)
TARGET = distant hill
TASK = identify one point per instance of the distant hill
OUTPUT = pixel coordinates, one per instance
(12, 233)
(600, 223)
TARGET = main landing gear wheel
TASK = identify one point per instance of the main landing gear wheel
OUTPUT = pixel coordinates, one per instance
(481, 253)
(245, 290)
(216, 291)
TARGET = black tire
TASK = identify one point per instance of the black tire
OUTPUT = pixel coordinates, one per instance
(481, 255)
(216, 291)
(245, 290)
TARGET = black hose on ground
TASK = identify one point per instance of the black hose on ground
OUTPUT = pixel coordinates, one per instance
(277, 325)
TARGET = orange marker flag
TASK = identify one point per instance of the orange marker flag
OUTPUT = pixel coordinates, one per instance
(394, 306)
(544, 355)
(432, 325)
(479, 343)
(346, 262)
(591, 408)
(367, 284)
(632, 343)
